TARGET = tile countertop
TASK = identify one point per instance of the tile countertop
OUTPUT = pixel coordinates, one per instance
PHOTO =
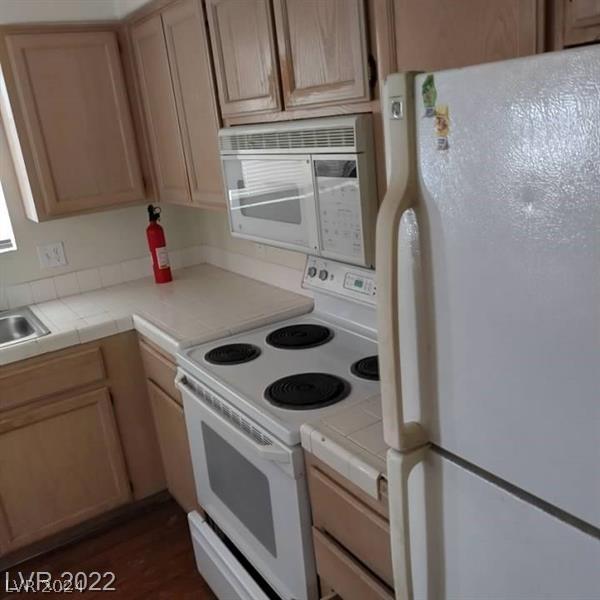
(201, 304)
(351, 442)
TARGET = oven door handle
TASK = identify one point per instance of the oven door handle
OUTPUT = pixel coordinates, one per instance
(229, 429)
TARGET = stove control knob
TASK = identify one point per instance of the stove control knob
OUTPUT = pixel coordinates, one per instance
(323, 274)
(312, 271)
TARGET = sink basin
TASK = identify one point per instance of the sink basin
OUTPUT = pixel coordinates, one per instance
(20, 325)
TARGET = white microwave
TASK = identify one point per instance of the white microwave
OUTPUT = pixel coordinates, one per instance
(304, 185)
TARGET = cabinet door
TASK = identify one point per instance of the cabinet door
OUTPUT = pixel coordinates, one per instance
(581, 21)
(322, 51)
(191, 74)
(433, 35)
(243, 45)
(61, 464)
(73, 121)
(174, 447)
(160, 109)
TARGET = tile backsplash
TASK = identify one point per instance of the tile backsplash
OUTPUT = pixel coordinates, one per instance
(86, 280)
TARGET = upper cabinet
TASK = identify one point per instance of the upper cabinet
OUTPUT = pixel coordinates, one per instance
(576, 22)
(243, 45)
(69, 123)
(175, 80)
(322, 51)
(432, 35)
(160, 110)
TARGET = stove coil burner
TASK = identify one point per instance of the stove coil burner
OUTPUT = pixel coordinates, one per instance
(367, 368)
(232, 354)
(307, 391)
(298, 337)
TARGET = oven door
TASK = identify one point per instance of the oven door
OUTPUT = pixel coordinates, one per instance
(271, 199)
(253, 487)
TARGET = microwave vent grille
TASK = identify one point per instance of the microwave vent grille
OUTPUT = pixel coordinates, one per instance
(298, 139)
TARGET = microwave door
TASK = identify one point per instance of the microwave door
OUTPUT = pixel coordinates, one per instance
(271, 200)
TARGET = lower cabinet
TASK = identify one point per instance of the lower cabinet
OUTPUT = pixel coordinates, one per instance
(61, 464)
(351, 537)
(169, 420)
(174, 447)
(77, 439)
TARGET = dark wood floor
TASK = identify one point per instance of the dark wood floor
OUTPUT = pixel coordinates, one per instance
(151, 556)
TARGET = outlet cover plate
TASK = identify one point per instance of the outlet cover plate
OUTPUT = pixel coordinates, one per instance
(52, 255)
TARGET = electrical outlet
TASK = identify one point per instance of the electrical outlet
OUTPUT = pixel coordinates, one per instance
(52, 255)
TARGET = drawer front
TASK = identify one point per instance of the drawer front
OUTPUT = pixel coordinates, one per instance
(346, 575)
(36, 378)
(368, 538)
(160, 370)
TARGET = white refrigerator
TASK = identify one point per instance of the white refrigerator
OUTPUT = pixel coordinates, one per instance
(488, 264)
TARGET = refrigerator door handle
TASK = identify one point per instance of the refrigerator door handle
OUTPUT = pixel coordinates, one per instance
(399, 467)
(401, 195)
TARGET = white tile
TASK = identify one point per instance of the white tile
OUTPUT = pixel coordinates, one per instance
(88, 280)
(350, 420)
(3, 298)
(94, 328)
(19, 295)
(176, 259)
(137, 268)
(57, 341)
(111, 275)
(373, 405)
(66, 285)
(124, 323)
(17, 352)
(330, 452)
(365, 476)
(370, 438)
(43, 290)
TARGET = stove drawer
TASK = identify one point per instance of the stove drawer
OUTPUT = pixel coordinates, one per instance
(345, 574)
(333, 507)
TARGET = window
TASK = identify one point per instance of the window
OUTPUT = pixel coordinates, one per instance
(7, 237)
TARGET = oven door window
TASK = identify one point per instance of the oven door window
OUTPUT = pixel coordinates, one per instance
(272, 200)
(240, 486)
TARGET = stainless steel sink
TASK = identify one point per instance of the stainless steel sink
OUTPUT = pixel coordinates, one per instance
(20, 325)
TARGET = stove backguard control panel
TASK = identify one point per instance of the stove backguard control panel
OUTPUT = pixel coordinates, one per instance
(340, 279)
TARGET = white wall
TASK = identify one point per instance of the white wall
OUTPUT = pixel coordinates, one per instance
(90, 240)
(25, 11)
(28, 11)
(212, 229)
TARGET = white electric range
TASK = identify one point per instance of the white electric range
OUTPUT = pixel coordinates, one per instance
(245, 398)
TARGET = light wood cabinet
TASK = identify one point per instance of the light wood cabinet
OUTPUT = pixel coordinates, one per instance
(176, 85)
(432, 35)
(160, 110)
(174, 447)
(77, 438)
(191, 73)
(576, 22)
(243, 43)
(322, 51)
(355, 562)
(62, 464)
(169, 420)
(70, 130)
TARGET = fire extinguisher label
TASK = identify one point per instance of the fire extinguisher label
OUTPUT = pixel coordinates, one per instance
(162, 258)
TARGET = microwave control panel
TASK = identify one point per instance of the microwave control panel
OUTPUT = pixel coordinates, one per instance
(340, 212)
(340, 279)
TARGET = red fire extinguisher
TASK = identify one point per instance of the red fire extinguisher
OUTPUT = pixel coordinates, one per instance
(158, 247)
